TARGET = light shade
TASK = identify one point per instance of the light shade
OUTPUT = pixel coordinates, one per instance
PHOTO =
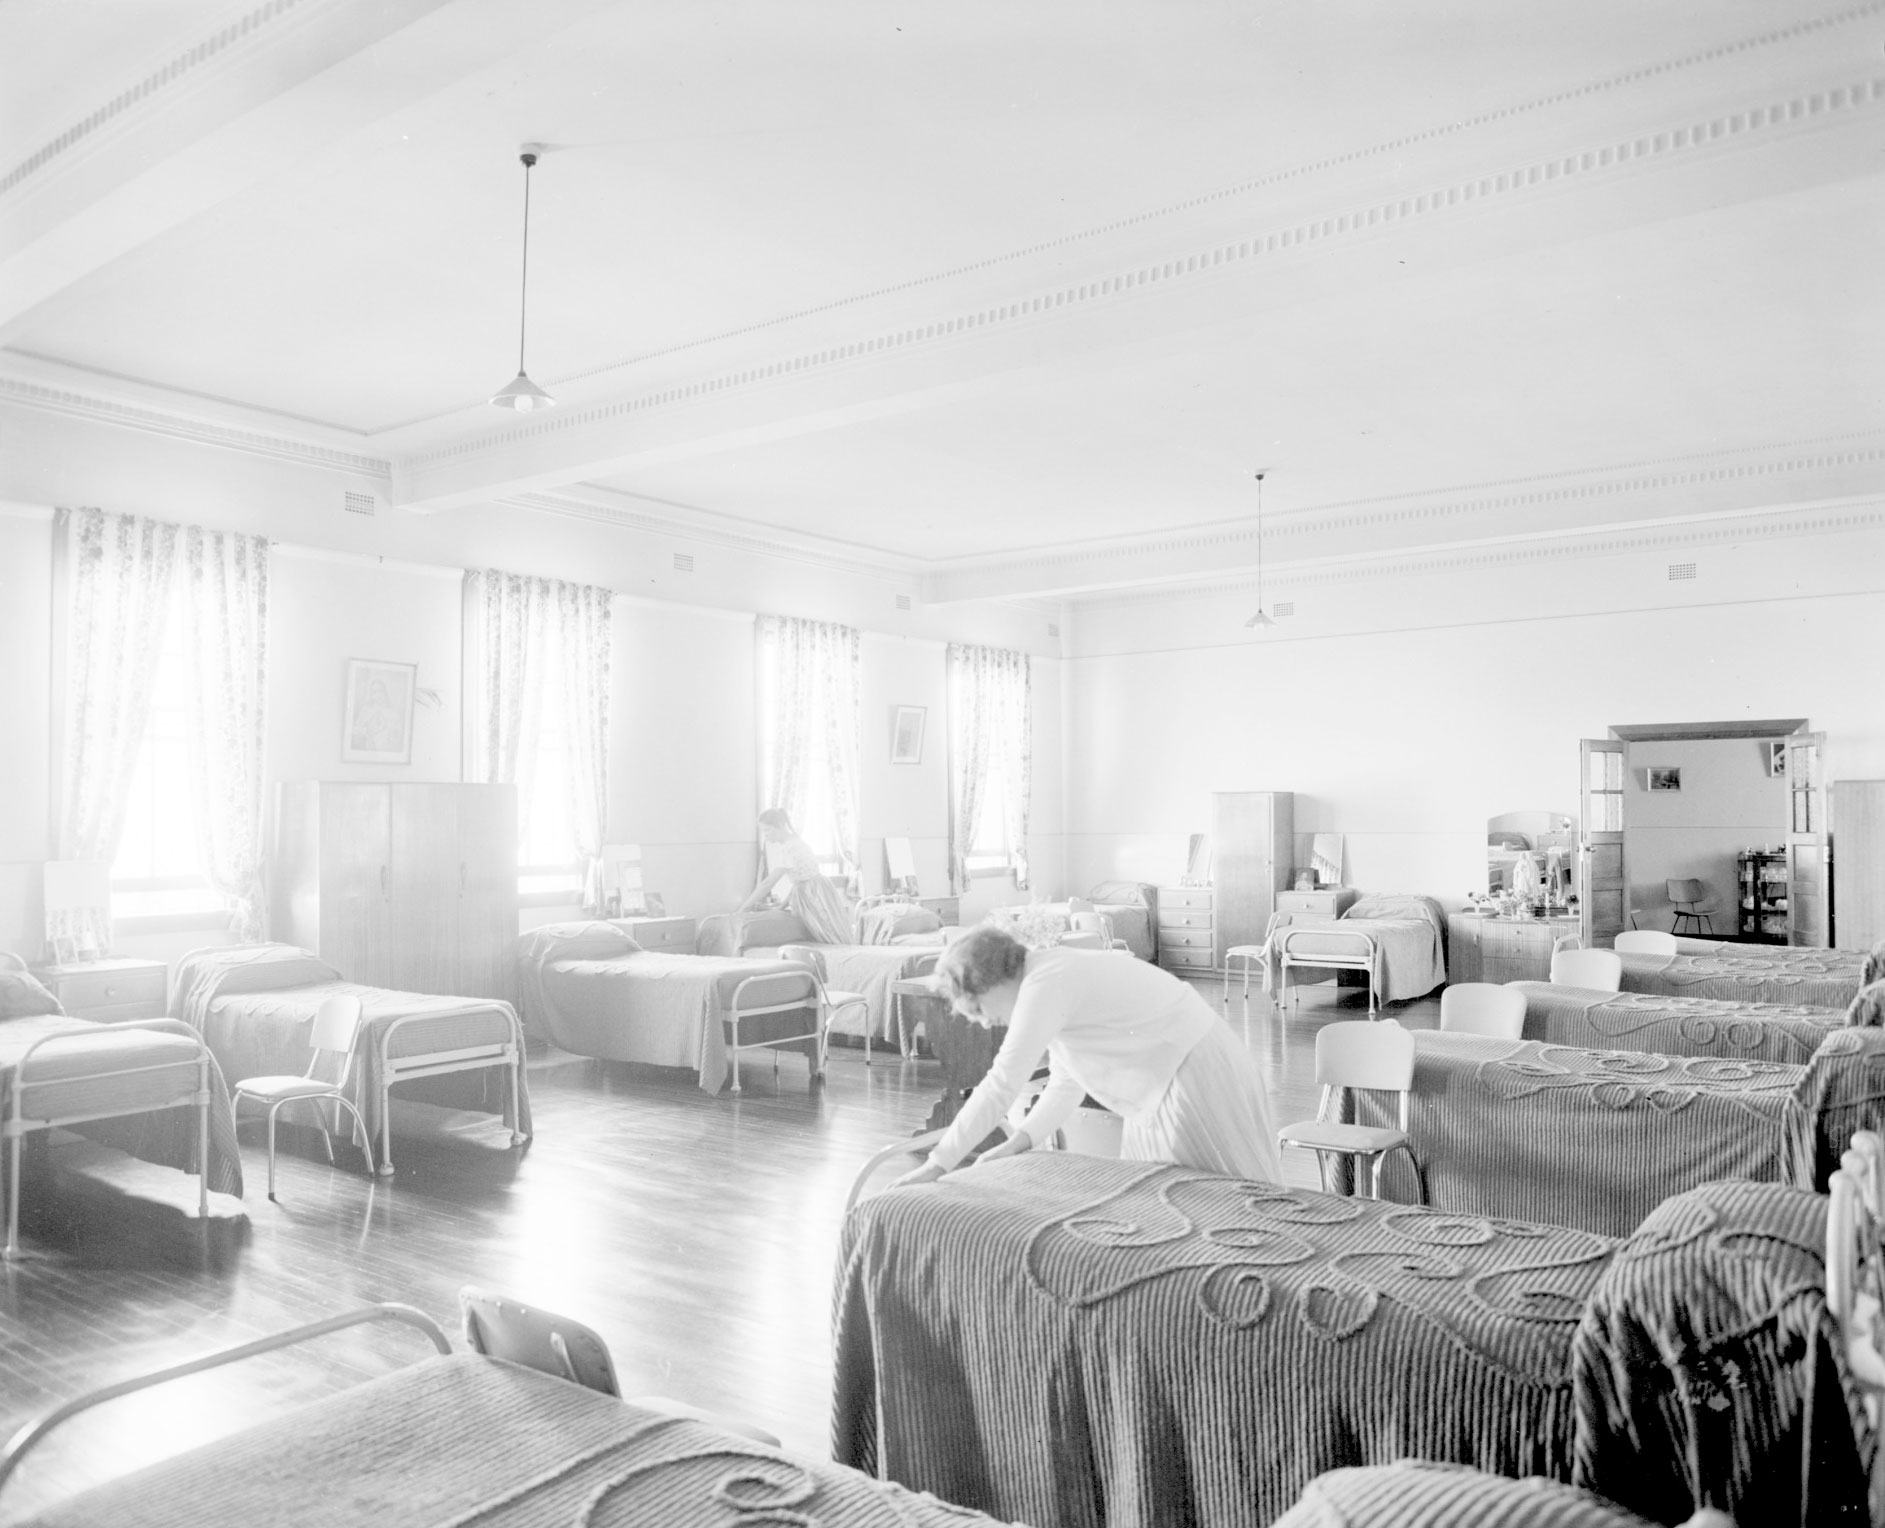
(1259, 619)
(523, 395)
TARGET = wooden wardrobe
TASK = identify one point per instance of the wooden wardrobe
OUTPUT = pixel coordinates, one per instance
(408, 886)
(1253, 842)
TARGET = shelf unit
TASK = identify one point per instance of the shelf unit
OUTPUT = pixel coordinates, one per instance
(1761, 895)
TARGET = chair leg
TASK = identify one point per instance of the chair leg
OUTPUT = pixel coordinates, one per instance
(385, 1168)
(273, 1109)
(327, 1136)
(366, 1141)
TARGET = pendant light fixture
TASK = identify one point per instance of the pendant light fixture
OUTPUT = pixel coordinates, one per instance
(1259, 619)
(522, 394)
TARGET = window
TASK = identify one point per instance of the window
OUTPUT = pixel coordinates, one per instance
(989, 763)
(809, 741)
(549, 861)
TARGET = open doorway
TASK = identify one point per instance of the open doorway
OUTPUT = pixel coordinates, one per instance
(1708, 829)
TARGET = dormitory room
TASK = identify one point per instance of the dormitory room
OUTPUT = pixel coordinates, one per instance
(1093, 766)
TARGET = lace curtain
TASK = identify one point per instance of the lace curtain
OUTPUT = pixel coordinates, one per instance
(991, 753)
(121, 573)
(809, 729)
(524, 634)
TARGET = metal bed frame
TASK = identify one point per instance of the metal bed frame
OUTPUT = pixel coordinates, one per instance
(812, 1001)
(1362, 959)
(18, 1122)
(507, 1053)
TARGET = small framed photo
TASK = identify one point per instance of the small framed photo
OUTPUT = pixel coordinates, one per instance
(906, 734)
(1665, 778)
(378, 726)
(1776, 759)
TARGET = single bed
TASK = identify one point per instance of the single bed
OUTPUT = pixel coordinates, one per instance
(898, 922)
(461, 1439)
(1129, 907)
(1748, 973)
(255, 1004)
(590, 989)
(1060, 1339)
(150, 1087)
(1399, 939)
(1676, 1026)
(869, 970)
(1596, 1139)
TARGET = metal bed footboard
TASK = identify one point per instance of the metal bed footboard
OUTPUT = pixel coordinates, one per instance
(738, 1011)
(19, 1118)
(1365, 957)
(507, 1053)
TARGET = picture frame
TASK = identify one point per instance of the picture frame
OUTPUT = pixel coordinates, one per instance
(1665, 777)
(377, 728)
(906, 734)
(1777, 759)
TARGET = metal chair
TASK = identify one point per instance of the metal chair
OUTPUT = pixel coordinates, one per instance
(1483, 1008)
(1685, 897)
(1357, 1053)
(336, 1023)
(1644, 941)
(1597, 970)
(1257, 955)
(831, 1000)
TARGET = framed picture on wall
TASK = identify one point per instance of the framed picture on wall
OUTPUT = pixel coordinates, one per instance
(1777, 759)
(1664, 777)
(906, 734)
(378, 725)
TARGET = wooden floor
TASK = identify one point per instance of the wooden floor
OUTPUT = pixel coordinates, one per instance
(696, 1234)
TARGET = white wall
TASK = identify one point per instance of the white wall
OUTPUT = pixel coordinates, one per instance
(1728, 802)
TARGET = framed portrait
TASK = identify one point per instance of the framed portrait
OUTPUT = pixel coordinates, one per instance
(1776, 759)
(378, 725)
(1665, 777)
(906, 734)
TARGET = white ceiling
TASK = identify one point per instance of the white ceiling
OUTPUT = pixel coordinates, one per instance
(956, 288)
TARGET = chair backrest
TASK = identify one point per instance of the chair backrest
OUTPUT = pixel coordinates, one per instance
(1483, 1008)
(1363, 1053)
(538, 1339)
(1599, 970)
(1684, 891)
(812, 960)
(1644, 941)
(336, 1022)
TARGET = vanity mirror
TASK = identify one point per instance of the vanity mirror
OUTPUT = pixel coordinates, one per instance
(1529, 857)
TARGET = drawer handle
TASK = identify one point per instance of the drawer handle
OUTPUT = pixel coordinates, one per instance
(111, 992)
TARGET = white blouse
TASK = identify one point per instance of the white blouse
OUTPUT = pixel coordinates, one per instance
(1110, 1026)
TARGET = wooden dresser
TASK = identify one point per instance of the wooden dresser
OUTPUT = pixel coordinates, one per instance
(673, 935)
(1187, 928)
(108, 991)
(1502, 949)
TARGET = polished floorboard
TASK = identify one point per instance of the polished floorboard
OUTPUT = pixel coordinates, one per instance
(696, 1234)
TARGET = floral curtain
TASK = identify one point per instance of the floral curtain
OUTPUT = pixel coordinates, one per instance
(225, 579)
(810, 735)
(118, 570)
(524, 634)
(991, 753)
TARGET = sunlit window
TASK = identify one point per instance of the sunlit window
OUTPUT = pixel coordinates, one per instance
(549, 862)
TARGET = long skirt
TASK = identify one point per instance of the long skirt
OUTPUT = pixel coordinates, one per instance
(1214, 1114)
(821, 909)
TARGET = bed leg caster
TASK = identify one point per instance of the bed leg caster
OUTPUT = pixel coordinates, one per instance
(518, 1138)
(384, 1170)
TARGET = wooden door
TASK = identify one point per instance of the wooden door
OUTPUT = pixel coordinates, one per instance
(1605, 891)
(1809, 907)
(424, 889)
(1858, 850)
(355, 933)
(487, 889)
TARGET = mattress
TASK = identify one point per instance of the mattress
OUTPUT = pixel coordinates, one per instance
(1058, 1339)
(465, 1439)
(1675, 1026)
(255, 1005)
(1408, 934)
(589, 989)
(1749, 973)
(167, 1136)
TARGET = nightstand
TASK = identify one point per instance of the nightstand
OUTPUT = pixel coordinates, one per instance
(1329, 901)
(1186, 921)
(675, 935)
(108, 991)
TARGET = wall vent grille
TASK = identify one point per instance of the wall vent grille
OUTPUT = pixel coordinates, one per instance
(1284, 607)
(358, 503)
(1681, 570)
(683, 562)
(903, 602)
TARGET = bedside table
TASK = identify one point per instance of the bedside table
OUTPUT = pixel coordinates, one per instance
(675, 935)
(1330, 901)
(108, 991)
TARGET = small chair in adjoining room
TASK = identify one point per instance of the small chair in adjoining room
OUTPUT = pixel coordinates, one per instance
(1596, 970)
(336, 1023)
(1685, 897)
(1377, 1055)
(1483, 1008)
(1644, 941)
(833, 1000)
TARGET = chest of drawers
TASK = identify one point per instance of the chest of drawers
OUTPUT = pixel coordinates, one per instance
(109, 991)
(1502, 949)
(1187, 928)
(675, 936)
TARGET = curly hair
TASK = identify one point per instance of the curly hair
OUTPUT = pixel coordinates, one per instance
(980, 961)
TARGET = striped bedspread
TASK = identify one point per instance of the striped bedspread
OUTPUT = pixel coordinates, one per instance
(1675, 1026)
(1597, 1139)
(166, 1136)
(1750, 974)
(468, 1440)
(255, 1006)
(1057, 1339)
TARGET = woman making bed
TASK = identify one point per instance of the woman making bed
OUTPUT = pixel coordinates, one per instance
(1139, 1040)
(790, 875)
